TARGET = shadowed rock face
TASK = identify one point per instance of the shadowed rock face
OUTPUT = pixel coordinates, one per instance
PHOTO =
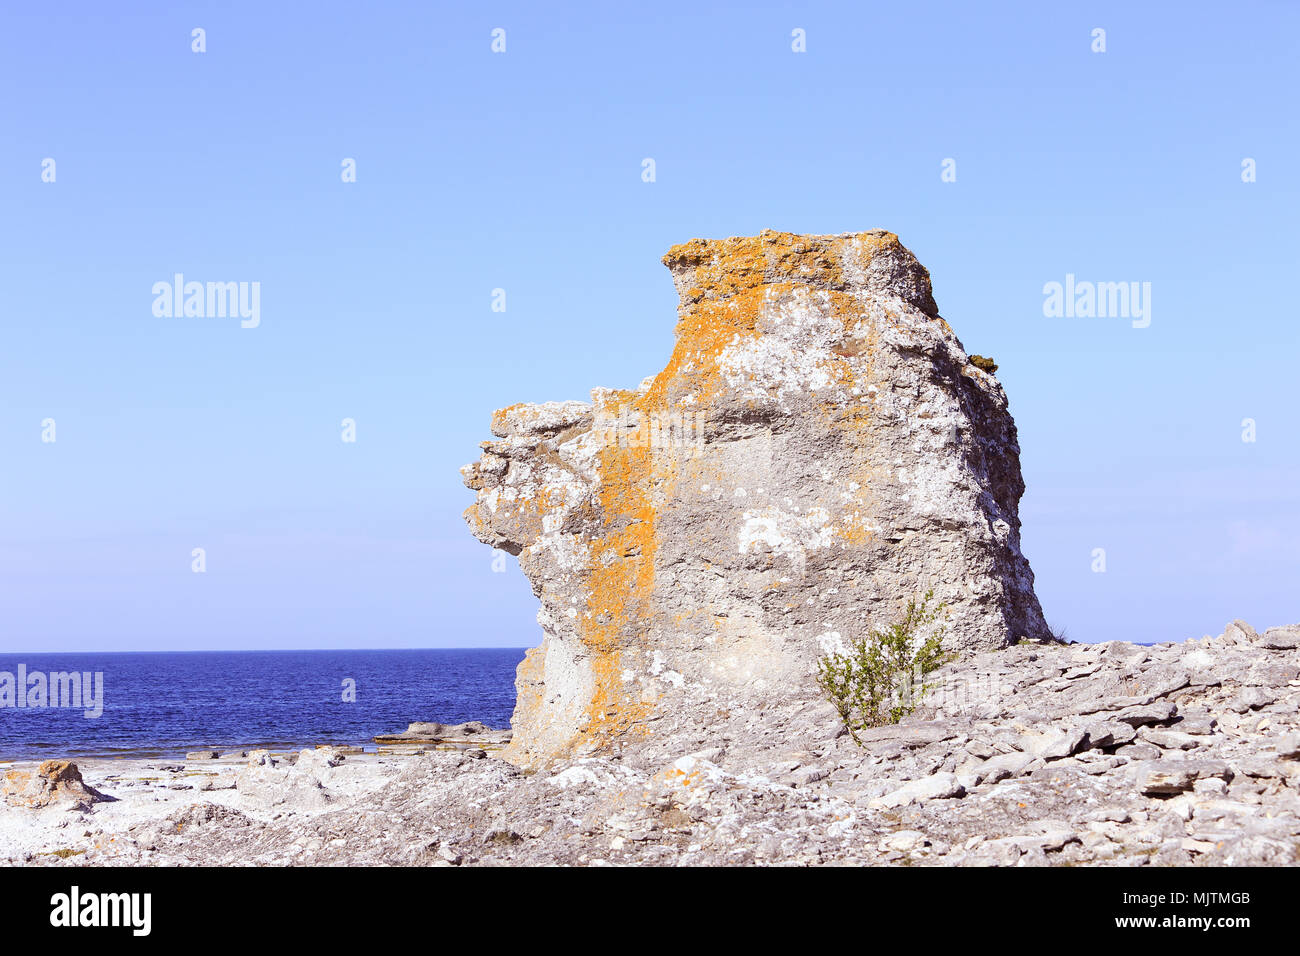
(818, 450)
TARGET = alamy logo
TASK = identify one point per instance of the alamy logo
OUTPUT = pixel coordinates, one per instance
(134, 910)
(630, 429)
(1100, 300)
(61, 689)
(208, 300)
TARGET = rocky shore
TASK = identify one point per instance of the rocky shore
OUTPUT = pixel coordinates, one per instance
(1108, 754)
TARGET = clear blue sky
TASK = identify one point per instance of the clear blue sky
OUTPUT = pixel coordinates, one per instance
(522, 171)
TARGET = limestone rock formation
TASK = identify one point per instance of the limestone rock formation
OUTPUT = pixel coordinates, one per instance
(818, 450)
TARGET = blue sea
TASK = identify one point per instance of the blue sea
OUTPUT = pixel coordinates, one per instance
(165, 704)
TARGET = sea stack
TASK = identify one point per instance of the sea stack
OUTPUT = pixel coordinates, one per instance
(818, 450)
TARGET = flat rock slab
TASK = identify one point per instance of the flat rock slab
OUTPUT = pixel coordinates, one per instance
(941, 786)
(471, 732)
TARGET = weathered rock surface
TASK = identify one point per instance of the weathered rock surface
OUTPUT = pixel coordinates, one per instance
(55, 783)
(1012, 761)
(818, 450)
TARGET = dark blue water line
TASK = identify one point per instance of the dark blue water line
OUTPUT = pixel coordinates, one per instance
(167, 703)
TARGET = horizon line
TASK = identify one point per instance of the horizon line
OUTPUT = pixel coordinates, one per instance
(275, 650)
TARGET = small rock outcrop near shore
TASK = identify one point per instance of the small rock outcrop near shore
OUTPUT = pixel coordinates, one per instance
(55, 783)
(818, 450)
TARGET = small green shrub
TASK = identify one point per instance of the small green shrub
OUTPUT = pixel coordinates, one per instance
(881, 677)
(985, 363)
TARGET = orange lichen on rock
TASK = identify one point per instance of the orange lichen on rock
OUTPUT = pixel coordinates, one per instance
(724, 267)
(620, 574)
(500, 416)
